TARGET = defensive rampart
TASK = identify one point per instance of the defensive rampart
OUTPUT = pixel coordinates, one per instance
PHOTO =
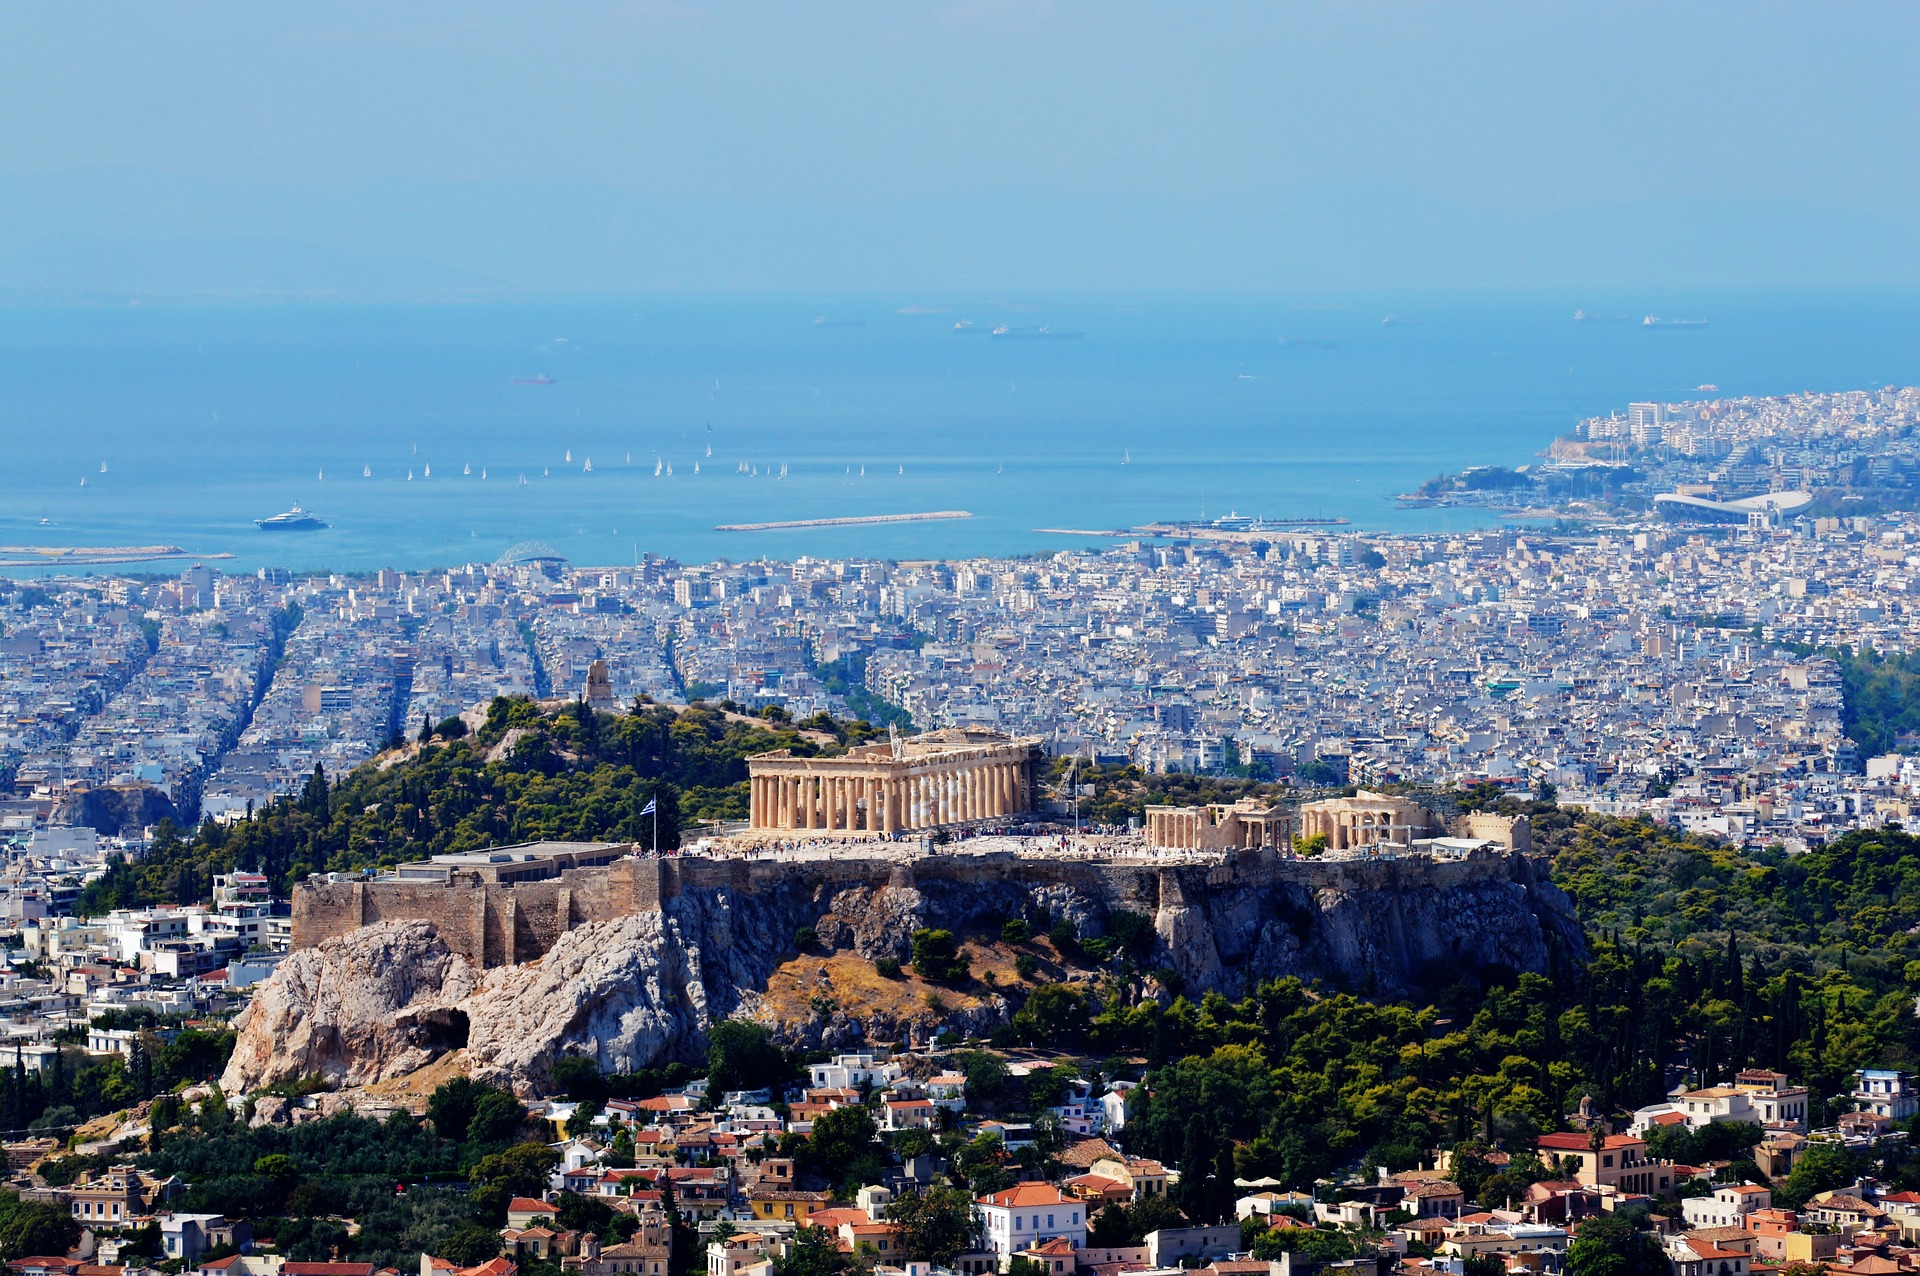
(1397, 910)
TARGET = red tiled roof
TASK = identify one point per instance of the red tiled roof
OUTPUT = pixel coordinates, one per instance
(1577, 1142)
(1025, 1195)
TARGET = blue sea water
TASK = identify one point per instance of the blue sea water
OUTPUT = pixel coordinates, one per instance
(208, 417)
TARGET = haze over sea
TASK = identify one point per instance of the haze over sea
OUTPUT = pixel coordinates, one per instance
(208, 417)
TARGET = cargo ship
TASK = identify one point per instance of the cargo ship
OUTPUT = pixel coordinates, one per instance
(294, 520)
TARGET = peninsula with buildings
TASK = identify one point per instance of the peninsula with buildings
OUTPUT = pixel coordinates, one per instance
(1726, 459)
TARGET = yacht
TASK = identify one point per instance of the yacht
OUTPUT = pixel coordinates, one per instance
(294, 520)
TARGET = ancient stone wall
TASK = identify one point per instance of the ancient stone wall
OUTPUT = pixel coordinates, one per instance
(498, 925)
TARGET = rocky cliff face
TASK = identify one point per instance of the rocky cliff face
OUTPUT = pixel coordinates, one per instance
(374, 1004)
(642, 989)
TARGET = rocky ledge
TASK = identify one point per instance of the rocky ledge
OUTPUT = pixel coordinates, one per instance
(642, 989)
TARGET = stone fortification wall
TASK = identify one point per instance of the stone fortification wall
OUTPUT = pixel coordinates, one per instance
(491, 924)
(1385, 925)
(640, 957)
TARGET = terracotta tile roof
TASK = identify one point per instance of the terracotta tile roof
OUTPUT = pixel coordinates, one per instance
(1027, 1195)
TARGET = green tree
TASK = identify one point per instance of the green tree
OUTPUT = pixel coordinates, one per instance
(521, 1170)
(814, 1252)
(1610, 1245)
(1821, 1167)
(742, 1055)
(841, 1140)
(935, 1224)
(937, 957)
(470, 1245)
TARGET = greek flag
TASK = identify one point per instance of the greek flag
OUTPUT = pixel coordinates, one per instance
(649, 808)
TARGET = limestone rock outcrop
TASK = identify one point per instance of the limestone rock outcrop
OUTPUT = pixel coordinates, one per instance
(641, 989)
(625, 993)
(369, 1005)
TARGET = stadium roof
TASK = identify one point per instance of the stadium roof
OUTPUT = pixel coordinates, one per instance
(1701, 510)
(530, 552)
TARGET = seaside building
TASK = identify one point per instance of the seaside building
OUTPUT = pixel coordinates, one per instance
(956, 776)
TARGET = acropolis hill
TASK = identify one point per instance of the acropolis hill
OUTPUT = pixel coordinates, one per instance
(1225, 918)
(639, 955)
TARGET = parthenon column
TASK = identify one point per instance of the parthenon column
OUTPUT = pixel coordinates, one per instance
(886, 805)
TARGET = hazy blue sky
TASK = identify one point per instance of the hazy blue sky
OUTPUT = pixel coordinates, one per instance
(422, 147)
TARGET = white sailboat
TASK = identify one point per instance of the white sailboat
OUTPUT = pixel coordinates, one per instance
(545, 472)
(103, 467)
(569, 457)
(709, 449)
(427, 471)
(83, 480)
(658, 466)
(863, 471)
(903, 471)
(588, 467)
(366, 471)
(320, 477)
(783, 469)
(696, 467)
(669, 469)
(1126, 456)
(466, 469)
(523, 480)
(629, 458)
(409, 474)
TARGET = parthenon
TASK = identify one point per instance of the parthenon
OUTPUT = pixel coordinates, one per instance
(954, 776)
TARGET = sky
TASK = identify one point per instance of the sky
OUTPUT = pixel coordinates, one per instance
(478, 148)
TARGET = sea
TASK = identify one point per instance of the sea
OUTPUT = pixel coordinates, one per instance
(427, 435)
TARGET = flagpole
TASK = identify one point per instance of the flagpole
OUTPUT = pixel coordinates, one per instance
(655, 804)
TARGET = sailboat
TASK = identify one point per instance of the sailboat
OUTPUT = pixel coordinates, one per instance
(569, 456)
(320, 477)
(409, 474)
(709, 449)
(466, 469)
(658, 465)
(629, 458)
(523, 480)
(588, 467)
(696, 467)
(366, 471)
(669, 469)
(483, 474)
(783, 469)
(545, 472)
(903, 470)
(863, 471)
(103, 467)
(427, 471)
(83, 480)
(1126, 456)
